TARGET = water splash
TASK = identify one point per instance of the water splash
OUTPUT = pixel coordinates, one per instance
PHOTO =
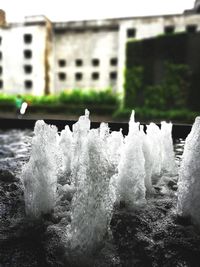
(91, 205)
(39, 175)
(92, 169)
(168, 165)
(80, 132)
(66, 146)
(189, 176)
(131, 177)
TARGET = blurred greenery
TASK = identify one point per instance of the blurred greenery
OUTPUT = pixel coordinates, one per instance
(78, 96)
(104, 103)
(133, 86)
(7, 99)
(69, 101)
(170, 93)
(166, 100)
(147, 114)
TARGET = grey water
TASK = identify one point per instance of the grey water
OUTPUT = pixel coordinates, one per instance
(152, 236)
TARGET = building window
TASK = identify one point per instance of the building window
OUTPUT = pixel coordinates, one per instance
(169, 29)
(95, 76)
(131, 33)
(78, 76)
(79, 62)
(113, 61)
(95, 62)
(28, 38)
(28, 84)
(1, 84)
(62, 76)
(1, 70)
(113, 75)
(27, 53)
(0, 40)
(62, 62)
(1, 55)
(28, 68)
(191, 28)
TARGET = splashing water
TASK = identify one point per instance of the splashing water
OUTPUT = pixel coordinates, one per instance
(189, 176)
(97, 168)
(131, 177)
(91, 206)
(40, 173)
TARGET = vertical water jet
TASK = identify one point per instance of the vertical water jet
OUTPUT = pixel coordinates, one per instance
(39, 175)
(189, 176)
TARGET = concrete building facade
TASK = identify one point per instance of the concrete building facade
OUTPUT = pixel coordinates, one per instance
(40, 57)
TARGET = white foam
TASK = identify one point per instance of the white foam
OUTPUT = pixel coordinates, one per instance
(39, 175)
(189, 176)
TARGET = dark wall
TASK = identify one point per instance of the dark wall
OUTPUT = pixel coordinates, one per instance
(152, 54)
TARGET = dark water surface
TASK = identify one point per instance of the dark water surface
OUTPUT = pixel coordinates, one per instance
(152, 236)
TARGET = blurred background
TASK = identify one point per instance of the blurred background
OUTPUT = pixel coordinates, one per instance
(58, 58)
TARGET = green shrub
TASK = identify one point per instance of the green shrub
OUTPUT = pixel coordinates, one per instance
(176, 85)
(133, 94)
(71, 102)
(7, 99)
(41, 100)
(170, 93)
(78, 96)
(146, 114)
(171, 61)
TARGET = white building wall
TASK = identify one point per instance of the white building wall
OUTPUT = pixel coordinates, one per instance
(84, 40)
(13, 61)
(85, 45)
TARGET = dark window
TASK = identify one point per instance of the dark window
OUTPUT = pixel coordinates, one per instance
(191, 28)
(113, 62)
(1, 55)
(79, 62)
(95, 62)
(28, 84)
(78, 76)
(113, 75)
(62, 62)
(95, 76)
(28, 68)
(1, 84)
(62, 76)
(28, 38)
(1, 70)
(131, 33)
(27, 53)
(0, 40)
(169, 29)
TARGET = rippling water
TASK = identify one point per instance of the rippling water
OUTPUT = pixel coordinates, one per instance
(15, 146)
(153, 236)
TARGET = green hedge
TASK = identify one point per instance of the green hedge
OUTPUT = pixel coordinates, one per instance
(7, 99)
(78, 96)
(146, 114)
(71, 102)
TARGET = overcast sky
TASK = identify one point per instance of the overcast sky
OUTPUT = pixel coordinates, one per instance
(63, 10)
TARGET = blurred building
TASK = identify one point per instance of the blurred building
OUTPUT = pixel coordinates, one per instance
(40, 57)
